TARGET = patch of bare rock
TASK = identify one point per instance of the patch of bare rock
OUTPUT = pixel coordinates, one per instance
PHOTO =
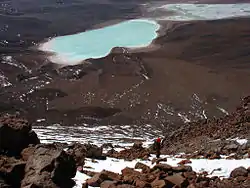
(212, 138)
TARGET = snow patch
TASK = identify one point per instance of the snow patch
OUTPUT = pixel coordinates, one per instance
(225, 166)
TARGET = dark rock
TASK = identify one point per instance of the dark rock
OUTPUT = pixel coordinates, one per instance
(182, 168)
(78, 152)
(157, 161)
(3, 184)
(176, 180)
(49, 167)
(107, 145)
(12, 170)
(163, 167)
(94, 152)
(240, 171)
(142, 166)
(85, 185)
(15, 135)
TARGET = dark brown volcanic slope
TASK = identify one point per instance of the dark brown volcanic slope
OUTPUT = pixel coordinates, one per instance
(199, 68)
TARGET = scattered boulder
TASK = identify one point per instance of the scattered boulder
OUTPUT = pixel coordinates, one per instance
(15, 135)
(240, 171)
(49, 167)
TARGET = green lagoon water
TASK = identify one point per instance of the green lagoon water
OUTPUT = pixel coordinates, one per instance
(72, 49)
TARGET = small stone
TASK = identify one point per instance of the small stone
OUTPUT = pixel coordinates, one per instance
(108, 184)
(158, 184)
(85, 185)
(183, 162)
(141, 184)
(182, 168)
(189, 175)
(110, 175)
(129, 171)
(95, 181)
(241, 178)
(163, 167)
(142, 166)
(27, 152)
(178, 180)
(240, 171)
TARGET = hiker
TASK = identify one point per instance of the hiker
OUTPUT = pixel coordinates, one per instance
(157, 146)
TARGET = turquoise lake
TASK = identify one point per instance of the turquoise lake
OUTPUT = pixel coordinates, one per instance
(72, 49)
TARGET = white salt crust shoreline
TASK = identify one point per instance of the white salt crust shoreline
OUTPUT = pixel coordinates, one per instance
(63, 59)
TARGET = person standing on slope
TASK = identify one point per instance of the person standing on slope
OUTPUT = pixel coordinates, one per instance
(157, 145)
